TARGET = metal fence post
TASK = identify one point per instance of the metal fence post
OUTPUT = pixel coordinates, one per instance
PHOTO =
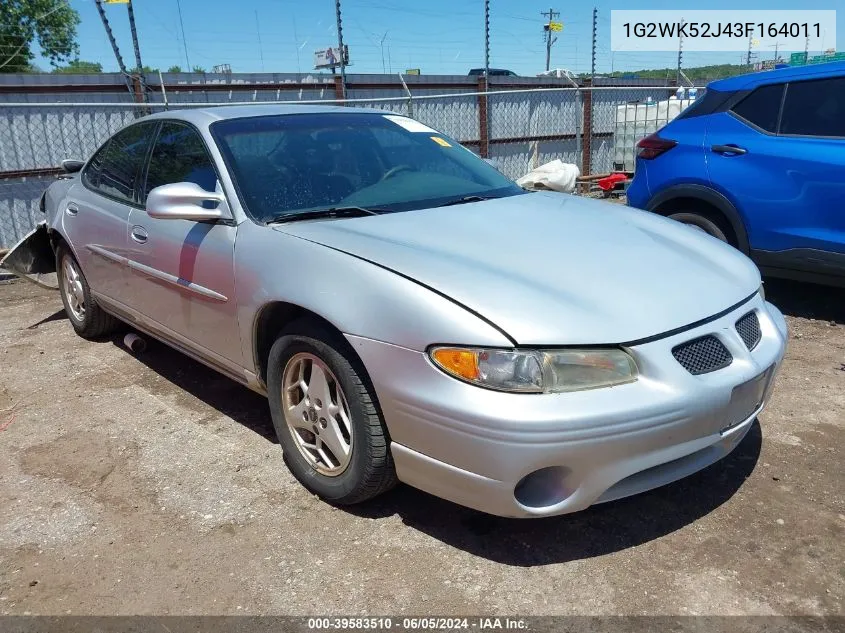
(339, 91)
(410, 96)
(579, 113)
(587, 132)
(163, 90)
(483, 120)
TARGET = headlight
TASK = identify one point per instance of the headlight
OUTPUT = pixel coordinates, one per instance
(537, 371)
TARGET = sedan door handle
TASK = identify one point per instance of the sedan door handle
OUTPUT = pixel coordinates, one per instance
(728, 150)
(139, 234)
(72, 208)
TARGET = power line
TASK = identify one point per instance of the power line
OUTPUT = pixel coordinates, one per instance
(184, 43)
(258, 32)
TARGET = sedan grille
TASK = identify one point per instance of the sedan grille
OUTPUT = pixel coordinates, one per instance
(748, 328)
(702, 355)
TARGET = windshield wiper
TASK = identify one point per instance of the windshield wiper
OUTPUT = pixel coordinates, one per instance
(333, 212)
(467, 199)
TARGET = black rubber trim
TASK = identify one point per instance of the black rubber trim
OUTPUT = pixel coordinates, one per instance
(810, 259)
(416, 281)
(684, 328)
(803, 264)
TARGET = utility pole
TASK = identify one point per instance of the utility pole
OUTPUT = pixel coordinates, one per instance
(551, 14)
(486, 40)
(680, 55)
(593, 64)
(341, 52)
(748, 58)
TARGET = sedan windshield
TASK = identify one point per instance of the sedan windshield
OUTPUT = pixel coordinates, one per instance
(284, 165)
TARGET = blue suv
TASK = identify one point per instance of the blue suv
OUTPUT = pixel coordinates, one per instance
(759, 162)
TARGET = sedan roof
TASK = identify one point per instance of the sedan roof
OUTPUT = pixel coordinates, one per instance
(208, 115)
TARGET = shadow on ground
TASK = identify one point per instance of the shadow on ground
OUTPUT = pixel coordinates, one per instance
(809, 301)
(216, 390)
(597, 531)
(58, 315)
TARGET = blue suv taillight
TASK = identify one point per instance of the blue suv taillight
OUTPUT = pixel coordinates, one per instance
(653, 146)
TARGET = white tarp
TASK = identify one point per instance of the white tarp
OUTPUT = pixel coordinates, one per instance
(556, 175)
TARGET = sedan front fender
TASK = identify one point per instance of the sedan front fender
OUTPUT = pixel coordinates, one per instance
(356, 296)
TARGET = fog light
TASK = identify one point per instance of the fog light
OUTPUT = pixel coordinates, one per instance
(544, 487)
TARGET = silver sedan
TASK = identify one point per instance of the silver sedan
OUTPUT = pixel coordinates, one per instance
(412, 314)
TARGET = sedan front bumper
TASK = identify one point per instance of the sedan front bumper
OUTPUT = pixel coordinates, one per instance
(523, 455)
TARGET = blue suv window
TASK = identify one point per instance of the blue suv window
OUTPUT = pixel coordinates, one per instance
(815, 108)
(761, 107)
(711, 102)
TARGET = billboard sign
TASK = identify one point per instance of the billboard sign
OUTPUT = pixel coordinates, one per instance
(330, 57)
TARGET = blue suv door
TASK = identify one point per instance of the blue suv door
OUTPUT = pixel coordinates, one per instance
(779, 156)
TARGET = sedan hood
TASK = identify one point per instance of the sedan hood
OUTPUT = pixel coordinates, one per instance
(553, 269)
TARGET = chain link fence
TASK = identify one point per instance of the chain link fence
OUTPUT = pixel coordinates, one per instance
(517, 130)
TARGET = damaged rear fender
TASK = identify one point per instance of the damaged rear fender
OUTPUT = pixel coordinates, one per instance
(33, 258)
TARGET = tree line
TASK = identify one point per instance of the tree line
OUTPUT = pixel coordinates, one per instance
(52, 26)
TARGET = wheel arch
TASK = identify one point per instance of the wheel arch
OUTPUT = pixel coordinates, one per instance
(702, 194)
(275, 317)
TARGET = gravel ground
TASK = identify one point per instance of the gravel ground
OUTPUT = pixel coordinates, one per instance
(150, 485)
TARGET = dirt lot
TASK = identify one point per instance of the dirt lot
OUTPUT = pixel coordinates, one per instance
(149, 484)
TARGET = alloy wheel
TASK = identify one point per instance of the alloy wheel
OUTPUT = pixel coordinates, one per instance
(317, 414)
(72, 281)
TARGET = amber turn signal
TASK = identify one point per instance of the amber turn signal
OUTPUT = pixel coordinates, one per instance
(459, 362)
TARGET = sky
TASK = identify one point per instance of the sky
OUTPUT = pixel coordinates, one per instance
(437, 36)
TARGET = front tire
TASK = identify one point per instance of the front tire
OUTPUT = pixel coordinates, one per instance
(327, 419)
(88, 319)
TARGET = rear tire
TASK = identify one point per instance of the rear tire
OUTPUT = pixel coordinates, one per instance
(317, 424)
(705, 222)
(88, 319)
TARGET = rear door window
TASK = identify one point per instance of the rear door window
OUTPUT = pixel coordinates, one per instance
(115, 169)
(761, 107)
(815, 108)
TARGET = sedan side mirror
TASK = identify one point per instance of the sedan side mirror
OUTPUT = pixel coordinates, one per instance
(184, 201)
(71, 165)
